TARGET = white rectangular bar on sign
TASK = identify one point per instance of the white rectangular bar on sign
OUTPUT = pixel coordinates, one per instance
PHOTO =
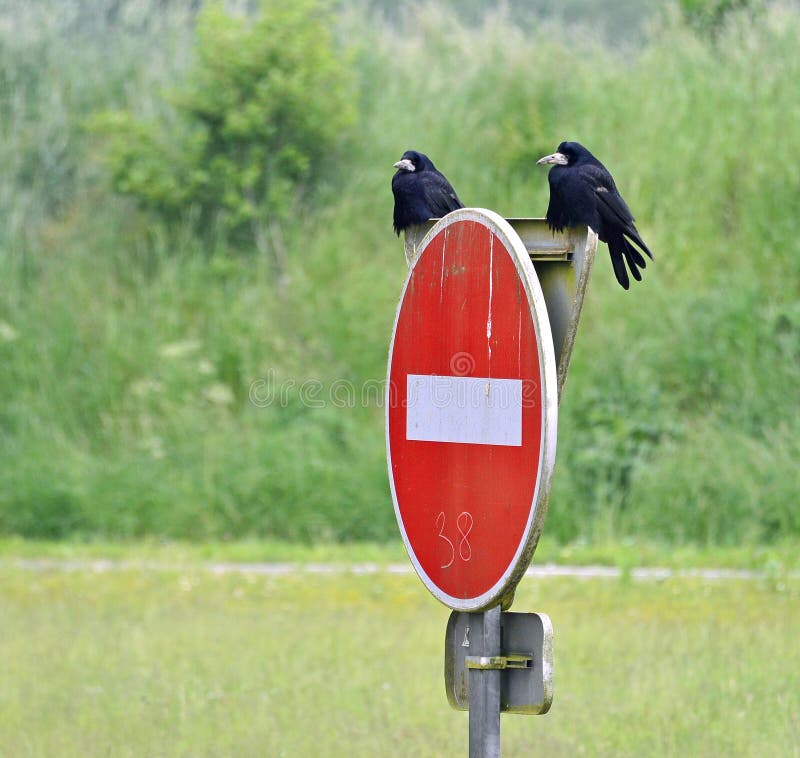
(467, 409)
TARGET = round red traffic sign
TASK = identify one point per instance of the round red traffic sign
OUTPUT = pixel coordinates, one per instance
(471, 410)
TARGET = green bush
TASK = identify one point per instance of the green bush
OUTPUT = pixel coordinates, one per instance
(708, 16)
(262, 112)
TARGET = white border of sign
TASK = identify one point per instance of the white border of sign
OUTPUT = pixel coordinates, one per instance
(503, 590)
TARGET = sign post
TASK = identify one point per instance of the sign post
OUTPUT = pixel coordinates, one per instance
(484, 691)
(474, 378)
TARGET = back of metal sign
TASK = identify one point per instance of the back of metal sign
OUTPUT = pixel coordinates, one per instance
(527, 689)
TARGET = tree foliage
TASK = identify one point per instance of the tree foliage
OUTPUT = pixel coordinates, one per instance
(264, 104)
(708, 16)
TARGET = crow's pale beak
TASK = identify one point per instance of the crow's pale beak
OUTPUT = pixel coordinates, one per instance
(404, 165)
(558, 158)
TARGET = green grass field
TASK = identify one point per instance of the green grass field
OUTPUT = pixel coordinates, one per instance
(185, 662)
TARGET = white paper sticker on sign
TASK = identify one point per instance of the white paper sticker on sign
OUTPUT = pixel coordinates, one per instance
(466, 409)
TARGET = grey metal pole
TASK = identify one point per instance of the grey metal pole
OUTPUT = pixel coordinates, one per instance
(484, 693)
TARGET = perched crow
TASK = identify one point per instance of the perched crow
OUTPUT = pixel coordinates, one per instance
(582, 191)
(420, 191)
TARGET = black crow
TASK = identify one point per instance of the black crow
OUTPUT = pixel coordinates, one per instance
(582, 191)
(420, 191)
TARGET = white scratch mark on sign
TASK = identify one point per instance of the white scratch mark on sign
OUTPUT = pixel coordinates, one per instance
(489, 318)
(441, 280)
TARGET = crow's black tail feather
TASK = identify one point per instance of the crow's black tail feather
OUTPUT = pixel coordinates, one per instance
(633, 233)
(633, 255)
(634, 258)
(618, 262)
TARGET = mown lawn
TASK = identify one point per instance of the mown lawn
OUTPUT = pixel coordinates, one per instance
(185, 662)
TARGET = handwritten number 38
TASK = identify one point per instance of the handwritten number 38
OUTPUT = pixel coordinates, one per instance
(464, 524)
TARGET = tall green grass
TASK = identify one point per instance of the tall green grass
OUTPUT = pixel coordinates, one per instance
(157, 384)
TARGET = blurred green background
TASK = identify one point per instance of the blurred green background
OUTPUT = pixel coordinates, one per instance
(199, 274)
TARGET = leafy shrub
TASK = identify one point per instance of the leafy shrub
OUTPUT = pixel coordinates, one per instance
(264, 105)
(708, 16)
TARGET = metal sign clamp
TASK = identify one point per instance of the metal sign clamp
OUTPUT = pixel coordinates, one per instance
(522, 659)
(502, 662)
